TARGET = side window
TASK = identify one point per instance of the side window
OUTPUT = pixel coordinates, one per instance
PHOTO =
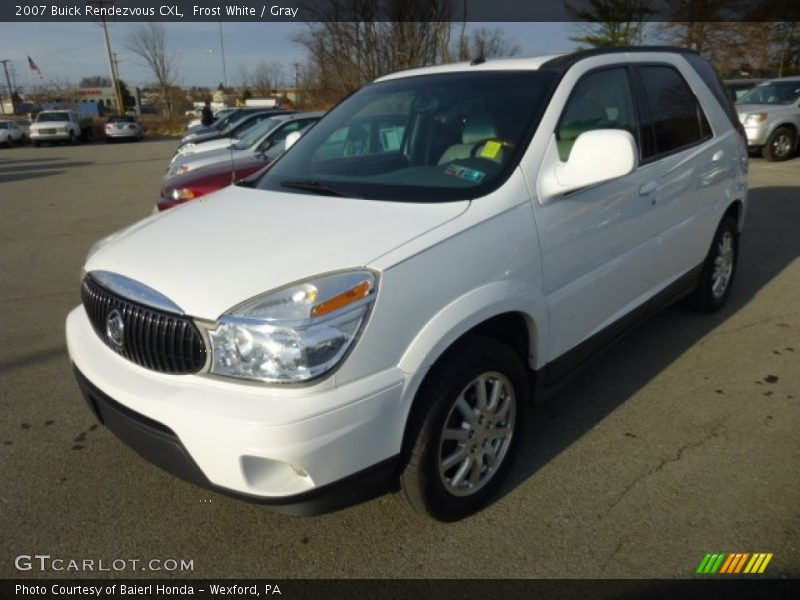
(675, 118)
(601, 100)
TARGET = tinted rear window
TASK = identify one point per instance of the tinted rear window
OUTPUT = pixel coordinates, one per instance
(674, 116)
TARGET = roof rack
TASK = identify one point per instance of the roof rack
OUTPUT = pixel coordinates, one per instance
(565, 61)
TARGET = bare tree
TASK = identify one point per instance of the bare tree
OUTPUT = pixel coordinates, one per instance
(149, 42)
(486, 43)
(611, 22)
(267, 77)
(245, 77)
(95, 81)
(351, 42)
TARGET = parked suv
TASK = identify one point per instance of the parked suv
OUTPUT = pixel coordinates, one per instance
(60, 126)
(770, 113)
(380, 305)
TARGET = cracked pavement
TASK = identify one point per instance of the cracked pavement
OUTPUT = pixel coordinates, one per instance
(682, 439)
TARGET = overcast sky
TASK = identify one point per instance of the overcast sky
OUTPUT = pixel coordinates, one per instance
(75, 50)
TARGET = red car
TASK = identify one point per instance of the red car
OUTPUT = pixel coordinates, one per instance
(205, 180)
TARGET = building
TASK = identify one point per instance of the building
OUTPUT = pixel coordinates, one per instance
(107, 99)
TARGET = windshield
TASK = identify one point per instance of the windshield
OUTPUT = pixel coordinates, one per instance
(121, 120)
(434, 138)
(52, 116)
(226, 120)
(772, 92)
(255, 134)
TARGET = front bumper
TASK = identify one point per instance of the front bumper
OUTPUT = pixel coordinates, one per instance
(293, 448)
(49, 137)
(756, 135)
(130, 134)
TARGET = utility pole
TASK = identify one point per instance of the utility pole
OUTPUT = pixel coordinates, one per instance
(10, 91)
(297, 84)
(118, 86)
(102, 4)
(222, 48)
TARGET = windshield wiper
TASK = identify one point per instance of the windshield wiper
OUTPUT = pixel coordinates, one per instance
(313, 186)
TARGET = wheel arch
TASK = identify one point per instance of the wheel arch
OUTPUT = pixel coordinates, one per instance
(736, 211)
(509, 312)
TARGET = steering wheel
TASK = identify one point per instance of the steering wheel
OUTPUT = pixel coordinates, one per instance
(503, 142)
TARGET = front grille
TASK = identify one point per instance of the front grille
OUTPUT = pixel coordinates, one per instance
(151, 338)
(47, 131)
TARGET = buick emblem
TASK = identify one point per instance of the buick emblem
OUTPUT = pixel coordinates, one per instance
(115, 329)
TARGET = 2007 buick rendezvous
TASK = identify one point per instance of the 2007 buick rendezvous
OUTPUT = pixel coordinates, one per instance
(380, 304)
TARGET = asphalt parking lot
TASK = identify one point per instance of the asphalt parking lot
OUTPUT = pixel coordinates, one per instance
(681, 440)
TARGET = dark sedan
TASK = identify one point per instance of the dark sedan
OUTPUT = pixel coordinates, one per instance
(234, 127)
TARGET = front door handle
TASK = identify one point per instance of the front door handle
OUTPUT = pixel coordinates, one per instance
(718, 156)
(648, 188)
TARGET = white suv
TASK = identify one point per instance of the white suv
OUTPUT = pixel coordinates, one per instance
(380, 305)
(58, 126)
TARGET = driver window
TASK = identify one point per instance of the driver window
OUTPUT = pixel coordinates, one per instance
(601, 100)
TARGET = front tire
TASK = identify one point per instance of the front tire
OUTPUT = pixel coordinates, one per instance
(780, 145)
(719, 268)
(464, 429)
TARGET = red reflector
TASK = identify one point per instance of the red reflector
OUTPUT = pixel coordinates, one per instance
(131, 126)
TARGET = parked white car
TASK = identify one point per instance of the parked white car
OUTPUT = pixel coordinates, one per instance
(770, 113)
(380, 305)
(11, 133)
(59, 126)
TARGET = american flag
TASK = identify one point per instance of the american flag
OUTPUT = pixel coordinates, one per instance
(33, 66)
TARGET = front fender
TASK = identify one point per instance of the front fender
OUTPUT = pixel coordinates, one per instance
(464, 314)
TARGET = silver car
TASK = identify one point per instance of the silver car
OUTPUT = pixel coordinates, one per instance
(124, 128)
(266, 139)
(11, 133)
(770, 113)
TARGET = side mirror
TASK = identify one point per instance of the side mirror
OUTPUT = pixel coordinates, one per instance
(291, 139)
(596, 156)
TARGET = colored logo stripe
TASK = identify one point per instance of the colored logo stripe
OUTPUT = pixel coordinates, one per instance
(711, 563)
(735, 562)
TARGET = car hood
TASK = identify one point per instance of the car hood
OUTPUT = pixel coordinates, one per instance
(220, 156)
(201, 147)
(747, 109)
(210, 255)
(49, 124)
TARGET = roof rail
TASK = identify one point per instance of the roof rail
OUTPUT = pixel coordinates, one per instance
(565, 61)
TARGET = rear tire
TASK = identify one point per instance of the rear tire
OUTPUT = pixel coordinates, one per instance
(719, 269)
(780, 145)
(464, 429)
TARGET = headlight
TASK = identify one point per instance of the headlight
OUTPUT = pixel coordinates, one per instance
(295, 333)
(186, 149)
(755, 119)
(183, 194)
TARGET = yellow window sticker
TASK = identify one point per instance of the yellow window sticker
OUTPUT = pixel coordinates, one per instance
(491, 149)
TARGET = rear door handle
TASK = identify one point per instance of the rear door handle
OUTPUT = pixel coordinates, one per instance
(718, 156)
(648, 188)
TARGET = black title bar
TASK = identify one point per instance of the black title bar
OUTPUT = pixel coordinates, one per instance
(418, 589)
(386, 10)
